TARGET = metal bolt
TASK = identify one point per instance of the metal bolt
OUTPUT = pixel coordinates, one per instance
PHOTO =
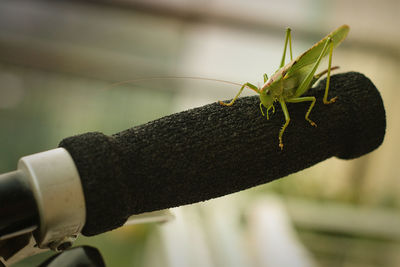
(63, 244)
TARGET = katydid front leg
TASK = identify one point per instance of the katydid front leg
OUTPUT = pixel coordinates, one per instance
(248, 85)
(262, 112)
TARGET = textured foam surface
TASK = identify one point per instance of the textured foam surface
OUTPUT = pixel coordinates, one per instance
(215, 150)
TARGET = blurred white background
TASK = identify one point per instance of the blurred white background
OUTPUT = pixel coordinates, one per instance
(59, 58)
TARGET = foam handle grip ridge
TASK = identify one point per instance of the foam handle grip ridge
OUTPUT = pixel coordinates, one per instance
(215, 150)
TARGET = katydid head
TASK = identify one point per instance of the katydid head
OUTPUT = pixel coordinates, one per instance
(266, 98)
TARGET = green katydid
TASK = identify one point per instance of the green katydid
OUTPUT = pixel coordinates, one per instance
(292, 80)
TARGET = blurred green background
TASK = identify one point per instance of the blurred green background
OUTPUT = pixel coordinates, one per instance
(59, 59)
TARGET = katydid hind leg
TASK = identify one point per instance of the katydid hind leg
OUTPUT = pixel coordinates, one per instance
(246, 85)
(319, 75)
(328, 77)
(285, 125)
(304, 99)
(306, 83)
(288, 39)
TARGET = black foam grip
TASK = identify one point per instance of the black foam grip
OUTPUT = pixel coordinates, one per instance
(215, 150)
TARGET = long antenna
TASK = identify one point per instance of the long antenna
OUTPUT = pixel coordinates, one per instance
(173, 77)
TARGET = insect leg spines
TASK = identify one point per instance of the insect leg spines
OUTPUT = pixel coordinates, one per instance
(248, 85)
(287, 120)
(303, 99)
(288, 38)
(329, 77)
(265, 77)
